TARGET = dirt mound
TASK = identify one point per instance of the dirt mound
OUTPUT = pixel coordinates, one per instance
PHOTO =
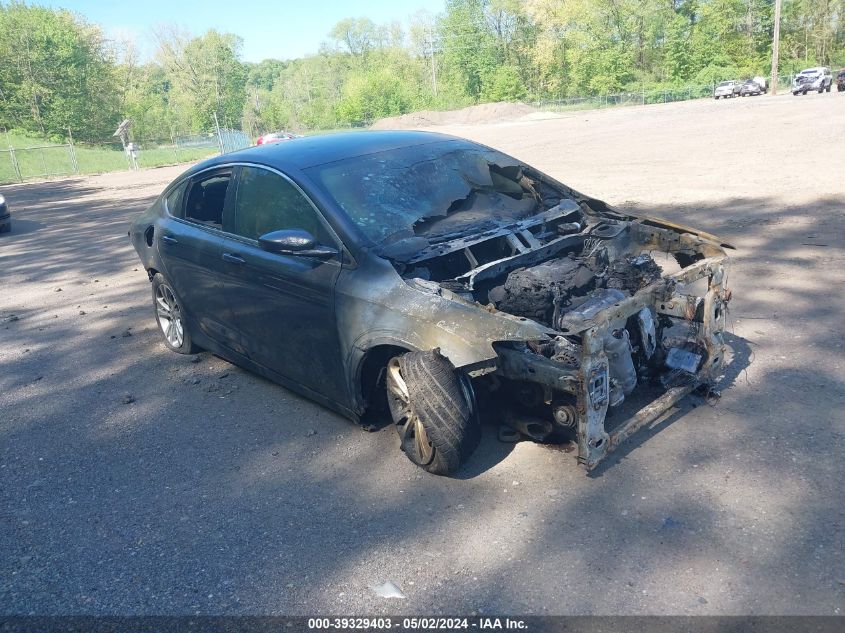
(482, 113)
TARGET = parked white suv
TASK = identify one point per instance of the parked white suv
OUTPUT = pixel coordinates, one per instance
(726, 89)
(818, 79)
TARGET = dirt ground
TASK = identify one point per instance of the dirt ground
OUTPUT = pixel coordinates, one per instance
(135, 481)
(473, 115)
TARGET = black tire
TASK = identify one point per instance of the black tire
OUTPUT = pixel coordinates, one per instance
(174, 331)
(6, 228)
(840, 88)
(435, 415)
(829, 86)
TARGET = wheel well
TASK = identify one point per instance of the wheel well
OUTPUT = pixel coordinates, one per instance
(151, 272)
(371, 381)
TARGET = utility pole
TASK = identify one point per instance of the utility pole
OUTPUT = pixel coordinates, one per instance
(775, 46)
(433, 61)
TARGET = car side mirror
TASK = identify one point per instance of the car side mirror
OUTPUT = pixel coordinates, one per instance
(295, 242)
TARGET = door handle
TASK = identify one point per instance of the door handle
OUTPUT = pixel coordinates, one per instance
(169, 240)
(233, 258)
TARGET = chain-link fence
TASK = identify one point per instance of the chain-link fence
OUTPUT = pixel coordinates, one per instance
(52, 160)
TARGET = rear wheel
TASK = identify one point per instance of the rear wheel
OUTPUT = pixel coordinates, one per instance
(170, 317)
(433, 407)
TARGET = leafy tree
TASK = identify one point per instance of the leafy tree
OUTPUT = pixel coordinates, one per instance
(469, 51)
(505, 84)
(55, 73)
(206, 76)
(358, 35)
(678, 51)
(264, 73)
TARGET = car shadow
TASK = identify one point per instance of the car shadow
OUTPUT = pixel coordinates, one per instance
(23, 227)
(490, 452)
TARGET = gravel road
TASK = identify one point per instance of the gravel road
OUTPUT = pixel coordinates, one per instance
(137, 481)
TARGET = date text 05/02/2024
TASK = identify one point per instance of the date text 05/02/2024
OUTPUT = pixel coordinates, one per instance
(419, 624)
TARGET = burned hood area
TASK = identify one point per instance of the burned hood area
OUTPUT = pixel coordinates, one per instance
(615, 309)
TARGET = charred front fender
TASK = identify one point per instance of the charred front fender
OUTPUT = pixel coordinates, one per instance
(376, 307)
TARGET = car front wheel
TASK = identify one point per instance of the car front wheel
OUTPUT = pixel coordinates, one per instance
(170, 317)
(433, 407)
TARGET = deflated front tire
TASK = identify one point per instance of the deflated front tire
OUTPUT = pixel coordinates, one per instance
(434, 410)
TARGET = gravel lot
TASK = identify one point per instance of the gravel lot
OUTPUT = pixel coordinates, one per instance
(136, 481)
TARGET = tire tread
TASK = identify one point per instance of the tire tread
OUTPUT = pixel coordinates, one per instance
(450, 421)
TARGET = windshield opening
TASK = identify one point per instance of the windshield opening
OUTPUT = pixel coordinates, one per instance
(430, 191)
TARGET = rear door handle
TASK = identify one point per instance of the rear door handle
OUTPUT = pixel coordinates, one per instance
(233, 258)
(169, 240)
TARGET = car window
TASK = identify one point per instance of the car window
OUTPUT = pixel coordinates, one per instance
(268, 202)
(207, 200)
(173, 201)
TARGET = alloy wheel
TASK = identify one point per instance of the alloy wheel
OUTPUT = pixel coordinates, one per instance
(412, 434)
(169, 316)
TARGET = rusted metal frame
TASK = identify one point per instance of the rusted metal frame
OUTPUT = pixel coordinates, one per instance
(438, 250)
(594, 443)
(527, 366)
(681, 306)
(646, 415)
(527, 258)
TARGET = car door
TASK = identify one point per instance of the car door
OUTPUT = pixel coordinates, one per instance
(191, 247)
(283, 305)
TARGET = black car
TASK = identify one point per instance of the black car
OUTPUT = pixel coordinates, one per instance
(5, 215)
(422, 279)
(840, 81)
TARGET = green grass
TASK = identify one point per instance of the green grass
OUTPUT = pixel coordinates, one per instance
(42, 158)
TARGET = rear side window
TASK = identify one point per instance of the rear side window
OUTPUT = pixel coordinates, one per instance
(207, 199)
(267, 202)
(173, 201)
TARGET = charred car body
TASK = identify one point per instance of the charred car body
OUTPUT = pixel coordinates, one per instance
(420, 274)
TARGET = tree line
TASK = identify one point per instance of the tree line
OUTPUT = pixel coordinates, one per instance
(58, 72)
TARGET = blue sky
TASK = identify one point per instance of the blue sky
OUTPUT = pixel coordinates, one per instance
(281, 29)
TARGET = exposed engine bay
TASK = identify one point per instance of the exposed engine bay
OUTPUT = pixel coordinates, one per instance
(618, 318)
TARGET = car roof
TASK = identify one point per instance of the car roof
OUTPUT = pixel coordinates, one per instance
(304, 152)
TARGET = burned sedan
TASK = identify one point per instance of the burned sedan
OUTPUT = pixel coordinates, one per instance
(423, 278)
